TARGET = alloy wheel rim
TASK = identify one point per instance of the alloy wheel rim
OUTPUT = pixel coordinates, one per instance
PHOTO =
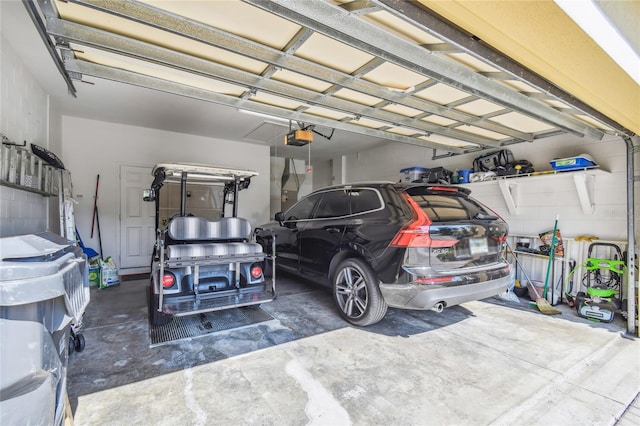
(351, 292)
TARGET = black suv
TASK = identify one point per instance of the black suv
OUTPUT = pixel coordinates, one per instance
(411, 246)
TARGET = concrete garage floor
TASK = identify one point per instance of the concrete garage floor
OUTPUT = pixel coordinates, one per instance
(486, 362)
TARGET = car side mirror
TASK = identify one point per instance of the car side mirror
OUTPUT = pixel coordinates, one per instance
(148, 195)
(279, 217)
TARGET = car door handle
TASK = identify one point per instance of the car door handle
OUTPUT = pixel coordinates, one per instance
(333, 230)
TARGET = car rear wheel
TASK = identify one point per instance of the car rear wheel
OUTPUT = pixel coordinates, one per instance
(357, 294)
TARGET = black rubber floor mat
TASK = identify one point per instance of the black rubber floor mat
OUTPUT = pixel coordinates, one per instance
(197, 325)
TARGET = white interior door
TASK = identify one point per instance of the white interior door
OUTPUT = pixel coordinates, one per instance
(137, 233)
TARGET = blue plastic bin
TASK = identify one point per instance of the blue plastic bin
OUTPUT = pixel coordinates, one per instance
(570, 163)
(464, 175)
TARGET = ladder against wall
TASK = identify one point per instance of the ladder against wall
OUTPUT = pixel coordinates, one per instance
(65, 202)
(23, 170)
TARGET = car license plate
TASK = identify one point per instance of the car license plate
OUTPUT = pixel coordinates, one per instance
(478, 246)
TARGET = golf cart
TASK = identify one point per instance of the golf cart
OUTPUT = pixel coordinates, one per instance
(203, 260)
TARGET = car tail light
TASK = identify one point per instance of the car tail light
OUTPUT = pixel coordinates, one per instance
(444, 188)
(168, 280)
(256, 271)
(502, 239)
(434, 280)
(416, 232)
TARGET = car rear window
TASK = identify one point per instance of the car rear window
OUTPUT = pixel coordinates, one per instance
(449, 207)
(343, 202)
(364, 200)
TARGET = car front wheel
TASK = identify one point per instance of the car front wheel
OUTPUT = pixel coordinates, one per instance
(357, 294)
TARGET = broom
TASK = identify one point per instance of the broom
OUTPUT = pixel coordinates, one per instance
(543, 305)
(541, 302)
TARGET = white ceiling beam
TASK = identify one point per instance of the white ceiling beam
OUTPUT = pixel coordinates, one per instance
(103, 40)
(145, 81)
(166, 21)
(334, 22)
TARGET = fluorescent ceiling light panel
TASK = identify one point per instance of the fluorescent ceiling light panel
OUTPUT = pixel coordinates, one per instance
(595, 23)
(263, 115)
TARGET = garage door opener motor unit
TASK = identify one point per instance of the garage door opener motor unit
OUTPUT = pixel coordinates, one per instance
(299, 138)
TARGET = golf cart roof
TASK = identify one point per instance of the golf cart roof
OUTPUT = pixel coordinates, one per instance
(201, 173)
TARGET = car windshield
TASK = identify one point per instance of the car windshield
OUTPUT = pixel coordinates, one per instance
(190, 189)
(205, 201)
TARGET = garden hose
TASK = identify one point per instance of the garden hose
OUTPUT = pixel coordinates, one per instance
(568, 283)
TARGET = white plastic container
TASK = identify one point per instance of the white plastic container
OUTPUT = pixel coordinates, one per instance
(43, 290)
(412, 174)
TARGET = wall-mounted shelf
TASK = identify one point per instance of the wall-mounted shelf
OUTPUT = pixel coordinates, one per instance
(537, 255)
(24, 188)
(583, 179)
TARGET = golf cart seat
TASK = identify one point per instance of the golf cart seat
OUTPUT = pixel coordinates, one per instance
(196, 238)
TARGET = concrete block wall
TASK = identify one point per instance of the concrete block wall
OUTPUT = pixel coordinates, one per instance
(24, 104)
(21, 212)
(24, 112)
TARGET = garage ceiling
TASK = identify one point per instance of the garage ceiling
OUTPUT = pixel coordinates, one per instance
(376, 69)
(540, 36)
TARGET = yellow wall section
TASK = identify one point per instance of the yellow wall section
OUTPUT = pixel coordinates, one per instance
(540, 36)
